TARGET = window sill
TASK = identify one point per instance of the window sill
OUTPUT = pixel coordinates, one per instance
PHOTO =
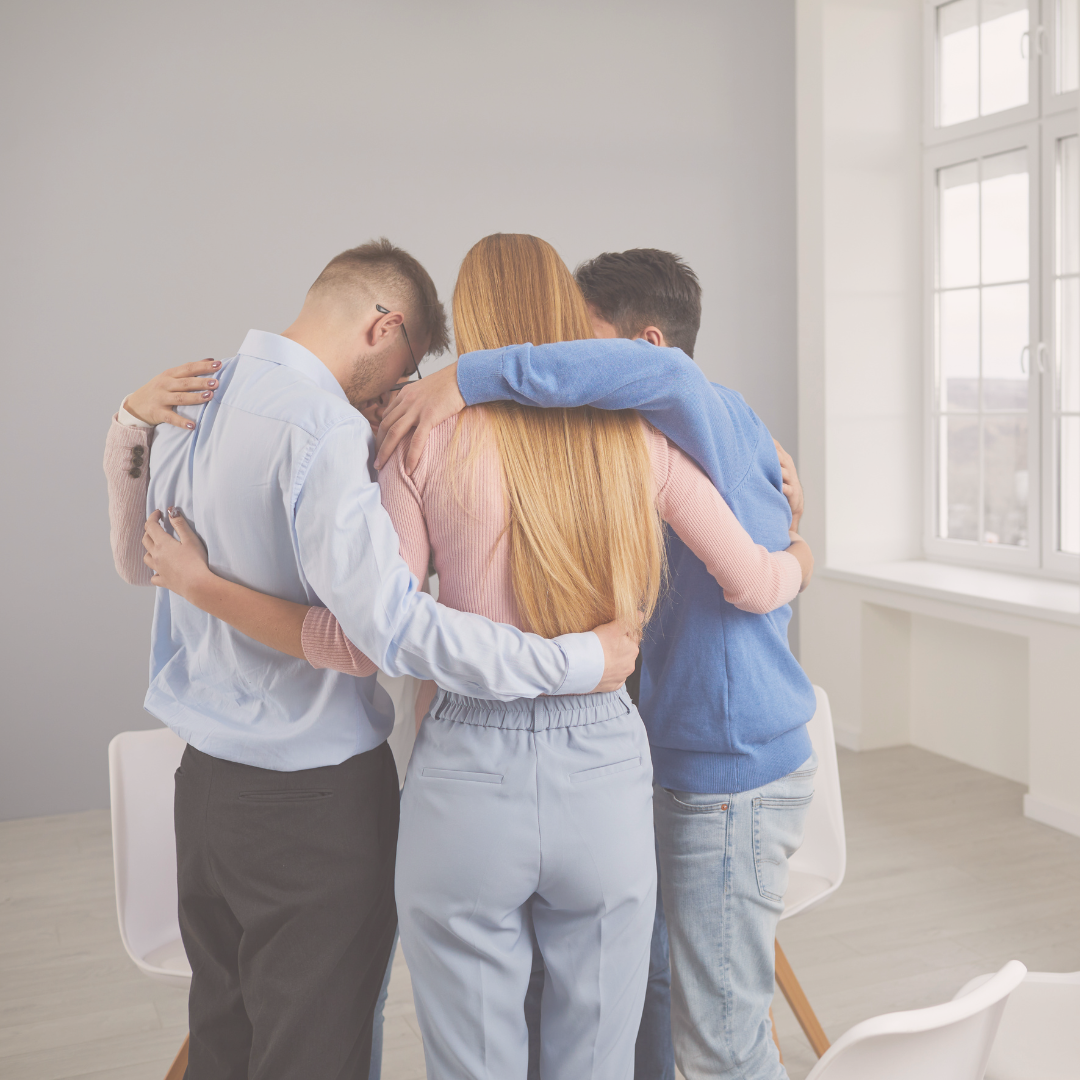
(1016, 594)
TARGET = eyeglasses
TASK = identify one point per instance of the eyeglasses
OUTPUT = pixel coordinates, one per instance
(412, 356)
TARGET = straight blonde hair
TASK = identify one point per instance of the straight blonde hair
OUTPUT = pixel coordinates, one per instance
(586, 539)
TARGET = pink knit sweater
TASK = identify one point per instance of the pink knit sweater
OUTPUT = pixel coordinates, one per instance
(463, 520)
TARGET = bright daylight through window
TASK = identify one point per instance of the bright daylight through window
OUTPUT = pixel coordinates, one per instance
(1004, 170)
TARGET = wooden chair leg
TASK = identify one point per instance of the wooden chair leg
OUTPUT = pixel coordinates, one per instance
(775, 1037)
(793, 992)
(179, 1066)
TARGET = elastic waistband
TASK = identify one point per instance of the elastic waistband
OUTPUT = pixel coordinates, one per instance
(532, 714)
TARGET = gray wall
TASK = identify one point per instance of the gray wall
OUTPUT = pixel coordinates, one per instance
(177, 173)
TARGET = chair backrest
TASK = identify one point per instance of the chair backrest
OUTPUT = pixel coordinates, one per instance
(824, 847)
(141, 768)
(944, 1042)
(1037, 1036)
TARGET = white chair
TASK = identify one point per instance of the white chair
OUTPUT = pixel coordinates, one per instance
(817, 868)
(141, 767)
(1037, 1036)
(944, 1042)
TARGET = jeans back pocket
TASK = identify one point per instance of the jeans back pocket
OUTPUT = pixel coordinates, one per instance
(778, 834)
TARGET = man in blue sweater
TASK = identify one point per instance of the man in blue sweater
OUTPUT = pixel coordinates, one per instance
(724, 701)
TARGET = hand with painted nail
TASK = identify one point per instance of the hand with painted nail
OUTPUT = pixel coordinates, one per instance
(189, 384)
(180, 565)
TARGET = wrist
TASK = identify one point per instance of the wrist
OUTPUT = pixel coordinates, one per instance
(199, 587)
(129, 407)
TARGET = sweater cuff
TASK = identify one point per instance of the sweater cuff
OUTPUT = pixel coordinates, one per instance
(480, 376)
(584, 662)
(123, 436)
(792, 584)
(130, 419)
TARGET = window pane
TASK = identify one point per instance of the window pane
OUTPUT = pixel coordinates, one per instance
(1005, 333)
(1068, 344)
(1004, 49)
(959, 478)
(1005, 217)
(958, 316)
(1005, 474)
(1069, 484)
(1068, 37)
(1068, 197)
(958, 62)
(959, 225)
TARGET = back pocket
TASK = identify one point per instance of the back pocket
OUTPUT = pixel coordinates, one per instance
(605, 770)
(296, 795)
(778, 834)
(457, 774)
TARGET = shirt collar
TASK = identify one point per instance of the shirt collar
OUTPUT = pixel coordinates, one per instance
(282, 350)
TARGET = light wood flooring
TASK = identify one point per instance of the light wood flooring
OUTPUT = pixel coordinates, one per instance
(945, 880)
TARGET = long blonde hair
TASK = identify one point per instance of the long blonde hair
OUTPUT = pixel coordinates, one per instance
(586, 540)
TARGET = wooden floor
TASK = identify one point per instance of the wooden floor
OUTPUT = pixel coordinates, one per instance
(945, 880)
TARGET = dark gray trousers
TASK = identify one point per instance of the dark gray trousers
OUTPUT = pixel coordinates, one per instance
(286, 887)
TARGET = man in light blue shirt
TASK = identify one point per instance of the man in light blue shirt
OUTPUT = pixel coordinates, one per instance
(286, 799)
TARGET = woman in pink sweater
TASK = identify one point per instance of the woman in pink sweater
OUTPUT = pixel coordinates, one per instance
(530, 819)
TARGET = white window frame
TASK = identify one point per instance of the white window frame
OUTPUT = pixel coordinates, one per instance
(1055, 562)
(1052, 101)
(1036, 126)
(932, 134)
(1020, 137)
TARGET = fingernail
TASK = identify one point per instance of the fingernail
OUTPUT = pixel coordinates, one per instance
(174, 511)
(216, 364)
(190, 426)
(208, 393)
(211, 382)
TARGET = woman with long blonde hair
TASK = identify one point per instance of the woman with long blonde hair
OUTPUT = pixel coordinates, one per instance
(531, 820)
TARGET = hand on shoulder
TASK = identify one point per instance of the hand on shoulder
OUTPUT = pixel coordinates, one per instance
(420, 407)
(156, 402)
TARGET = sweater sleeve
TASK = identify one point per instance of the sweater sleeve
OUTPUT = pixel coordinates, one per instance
(326, 646)
(127, 473)
(324, 642)
(664, 385)
(403, 500)
(753, 578)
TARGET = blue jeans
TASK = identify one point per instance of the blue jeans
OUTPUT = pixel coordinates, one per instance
(724, 865)
(654, 1058)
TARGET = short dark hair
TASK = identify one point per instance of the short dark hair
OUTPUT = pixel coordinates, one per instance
(644, 287)
(393, 271)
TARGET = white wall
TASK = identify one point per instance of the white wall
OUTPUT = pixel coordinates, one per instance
(177, 173)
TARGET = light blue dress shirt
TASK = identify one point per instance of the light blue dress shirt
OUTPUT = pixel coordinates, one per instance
(276, 480)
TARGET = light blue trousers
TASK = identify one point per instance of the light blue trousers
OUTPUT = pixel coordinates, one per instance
(724, 865)
(522, 821)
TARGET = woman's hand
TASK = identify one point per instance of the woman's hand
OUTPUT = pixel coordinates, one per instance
(156, 402)
(792, 485)
(179, 565)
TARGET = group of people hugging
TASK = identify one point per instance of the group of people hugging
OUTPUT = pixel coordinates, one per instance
(587, 861)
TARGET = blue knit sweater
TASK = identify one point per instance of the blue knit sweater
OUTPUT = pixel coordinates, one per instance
(724, 701)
